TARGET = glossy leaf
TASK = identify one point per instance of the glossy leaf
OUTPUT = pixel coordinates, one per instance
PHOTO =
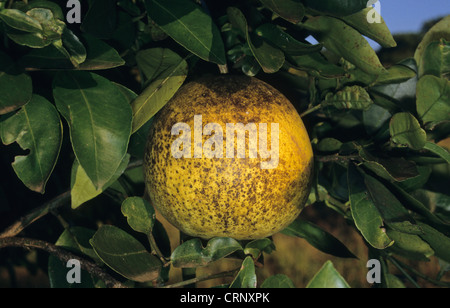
(318, 238)
(291, 10)
(99, 119)
(124, 254)
(82, 188)
(433, 95)
(257, 247)
(327, 277)
(99, 55)
(405, 130)
(52, 6)
(436, 59)
(190, 26)
(75, 49)
(270, 58)
(379, 32)
(191, 253)
(410, 246)
(15, 86)
(346, 42)
(246, 278)
(152, 62)
(165, 83)
(396, 74)
(35, 127)
(318, 65)
(20, 20)
(139, 213)
(364, 212)
(278, 281)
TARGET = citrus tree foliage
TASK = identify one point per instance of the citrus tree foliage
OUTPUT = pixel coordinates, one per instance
(76, 101)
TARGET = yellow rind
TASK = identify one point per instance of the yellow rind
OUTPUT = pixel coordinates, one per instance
(234, 197)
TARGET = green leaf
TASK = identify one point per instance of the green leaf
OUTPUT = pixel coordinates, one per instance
(246, 278)
(390, 168)
(15, 86)
(317, 64)
(153, 62)
(291, 10)
(353, 97)
(346, 42)
(82, 188)
(190, 26)
(436, 149)
(364, 212)
(436, 59)
(278, 281)
(278, 38)
(163, 86)
(390, 208)
(270, 58)
(396, 74)
(257, 247)
(327, 277)
(99, 119)
(75, 239)
(410, 245)
(54, 7)
(75, 49)
(318, 238)
(139, 213)
(437, 32)
(20, 20)
(35, 127)
(100, 55)
(405, 130)
(329, 145)
(191, 254)
(125, 255)
(100, 19)
(379, 32)
(337, 7)
(433, 95)
(439, 242)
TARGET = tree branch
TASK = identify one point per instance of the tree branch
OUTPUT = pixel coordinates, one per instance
(62, 255)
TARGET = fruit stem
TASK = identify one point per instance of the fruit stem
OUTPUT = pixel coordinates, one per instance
(156, 250)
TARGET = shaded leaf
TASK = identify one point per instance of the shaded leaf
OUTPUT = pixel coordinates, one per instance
(291, 10)
(278, 38)
(35, 127)
(327, 277)
(270, 58)
(15, 86)
(318, 238)
(124, 254)
(337, 7)
(257, 247)
(100, 19)
(191, 253)
(439, 242)
(246, 278)
(99, 119)
(405, 130)
(410, 245)
(439, 151)
(278, 281)
(190, 26)
(99, 55)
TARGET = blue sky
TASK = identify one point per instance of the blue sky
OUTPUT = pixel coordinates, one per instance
(409, 15)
